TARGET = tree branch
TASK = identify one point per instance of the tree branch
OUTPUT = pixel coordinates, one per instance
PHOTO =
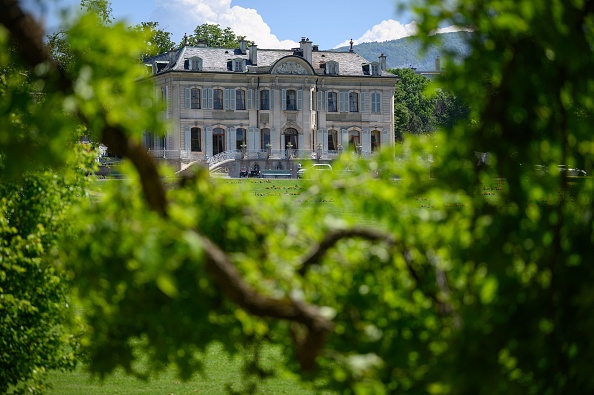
(27, 35)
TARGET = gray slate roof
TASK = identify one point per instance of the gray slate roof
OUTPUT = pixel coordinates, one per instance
(215, 59)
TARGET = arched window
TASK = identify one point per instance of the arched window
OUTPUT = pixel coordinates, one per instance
(375, 140)
(291, 137)
(218, 141)
(196, 139)
(332, 140)
(264, 137)
(217, 99)
(240, 137)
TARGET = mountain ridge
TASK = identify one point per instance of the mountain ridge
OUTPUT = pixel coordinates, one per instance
(407, 52)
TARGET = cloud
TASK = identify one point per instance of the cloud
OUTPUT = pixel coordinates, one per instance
(392, 30)
(182, 16)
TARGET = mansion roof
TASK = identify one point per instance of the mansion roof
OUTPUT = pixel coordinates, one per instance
(263, 61)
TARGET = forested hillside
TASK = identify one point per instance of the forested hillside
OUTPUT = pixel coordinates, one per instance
(407, 52)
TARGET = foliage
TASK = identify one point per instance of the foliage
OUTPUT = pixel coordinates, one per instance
(415, 114)
(158, 41)
(34, 219)
(449, 292)
(57, 42)
(213, 36)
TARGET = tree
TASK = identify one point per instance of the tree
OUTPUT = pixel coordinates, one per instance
(213, 36)
(58, 43)
(158, 40)
(444, 289)
(35, 212)
(413, 105)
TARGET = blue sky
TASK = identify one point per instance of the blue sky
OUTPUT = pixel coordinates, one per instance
(269, 23)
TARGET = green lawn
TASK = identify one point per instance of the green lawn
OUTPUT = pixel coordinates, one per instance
(220, 371)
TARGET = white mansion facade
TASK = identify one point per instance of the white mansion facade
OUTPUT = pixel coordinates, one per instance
(269, 103)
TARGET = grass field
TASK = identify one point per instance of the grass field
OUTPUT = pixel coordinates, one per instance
(220, 372)
(220, 369)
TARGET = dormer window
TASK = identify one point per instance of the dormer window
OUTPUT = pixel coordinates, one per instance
(236, 65)
(375, 68)
(332, 67)
(194, 63)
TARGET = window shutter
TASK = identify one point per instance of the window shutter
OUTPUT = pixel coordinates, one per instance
(207, 98)
(319, 137)
(364, 99)
(284, 99)
(232, 99)
(253, 138)
(366, 140)
(250, 94)
(320, 101)
(299, 99)
(273, 135)
(187, 143)
(188, 97)
(226, 104)
(344, 138)
(231, 138)
(311, 100)
(257, 99)
(271, 99)
(326, 100)
(343, 104)
(208, 131)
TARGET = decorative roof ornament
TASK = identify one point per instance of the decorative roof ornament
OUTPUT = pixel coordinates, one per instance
(351, 50)
(185, 39)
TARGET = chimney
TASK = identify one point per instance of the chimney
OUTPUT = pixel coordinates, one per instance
(437, 64)
(382, 62)
(242, 45)
(306, 48)
(254, 54)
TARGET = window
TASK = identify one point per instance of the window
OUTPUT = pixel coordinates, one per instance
(195, 98)
(375, 140)
(291, 100)
(332, 102)
(239, 99)
(353, 102)
(240, 137)
(217, 99)
(332, 140)
(376, 102)
(195, 140)
(265, 137)
(265, 99)
(238, 65)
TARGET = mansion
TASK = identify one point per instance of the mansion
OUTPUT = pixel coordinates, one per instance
(269, 106)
